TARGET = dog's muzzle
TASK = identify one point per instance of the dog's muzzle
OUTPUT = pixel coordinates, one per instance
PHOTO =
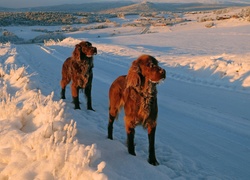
(162, 73)
(93, 52)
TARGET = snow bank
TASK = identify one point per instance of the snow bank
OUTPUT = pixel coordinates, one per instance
(223, 71)
(65, 42)
(4, 47)
(36, 141)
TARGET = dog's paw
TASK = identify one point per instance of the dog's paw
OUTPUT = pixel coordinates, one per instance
(132, 152)
(77, 107)
(153, 161)
(91, 109)
(110, 137)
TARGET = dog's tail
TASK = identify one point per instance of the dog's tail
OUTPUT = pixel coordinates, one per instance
(115, 101)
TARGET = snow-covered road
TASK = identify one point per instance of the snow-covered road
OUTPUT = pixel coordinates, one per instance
(203, 131)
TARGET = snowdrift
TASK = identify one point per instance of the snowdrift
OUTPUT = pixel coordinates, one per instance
(36, 140)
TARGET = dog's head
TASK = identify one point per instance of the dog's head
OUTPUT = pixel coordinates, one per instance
(84, 50)
(145, 68)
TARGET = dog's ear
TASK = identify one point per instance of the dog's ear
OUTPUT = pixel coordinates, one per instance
(77, 52)
(133, 77)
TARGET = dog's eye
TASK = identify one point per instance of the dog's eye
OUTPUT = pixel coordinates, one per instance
(149, 64)
(88, 44)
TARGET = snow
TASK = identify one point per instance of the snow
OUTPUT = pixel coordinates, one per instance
(203, 127)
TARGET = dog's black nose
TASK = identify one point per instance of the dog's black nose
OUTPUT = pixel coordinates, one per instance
(94, 50)
(163, 72)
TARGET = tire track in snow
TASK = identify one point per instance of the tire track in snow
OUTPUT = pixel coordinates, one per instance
(45, 63)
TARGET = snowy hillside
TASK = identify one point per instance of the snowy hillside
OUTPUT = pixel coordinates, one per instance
(203, 127)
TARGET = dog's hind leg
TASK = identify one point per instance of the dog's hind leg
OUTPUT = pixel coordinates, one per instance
(110, 126)
(75, 96)
(115, 103)
(113, 113)
(63, 93)
(114, 107)
(63, 87)
(64, 83)
(66, 78)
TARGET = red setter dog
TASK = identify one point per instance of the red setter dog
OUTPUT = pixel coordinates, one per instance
(78, 68)
(137, 93)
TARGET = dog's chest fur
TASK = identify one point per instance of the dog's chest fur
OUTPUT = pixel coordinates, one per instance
(80, 71)
(144, 102)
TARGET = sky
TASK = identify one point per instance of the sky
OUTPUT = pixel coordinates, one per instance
(34, 3)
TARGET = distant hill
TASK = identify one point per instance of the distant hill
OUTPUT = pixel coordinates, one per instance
(172, 7)
(84, 7)
(2, 9)
(141, 7)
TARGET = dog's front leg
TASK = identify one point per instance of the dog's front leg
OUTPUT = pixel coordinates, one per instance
(75, 95)
(130, 141)
(87, 92)
(130, 129)
(151, 138)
